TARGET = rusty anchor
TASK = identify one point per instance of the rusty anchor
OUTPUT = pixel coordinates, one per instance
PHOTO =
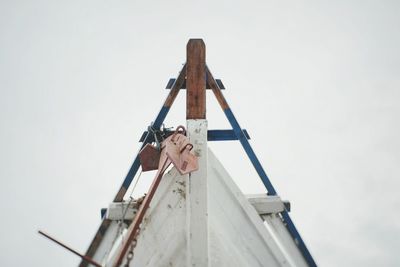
(178, 148)
(175, 149)
(187, 161)
(149, 157)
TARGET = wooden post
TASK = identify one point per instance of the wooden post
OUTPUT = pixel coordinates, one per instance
(197, 234)
(196, 79)
(197, 203)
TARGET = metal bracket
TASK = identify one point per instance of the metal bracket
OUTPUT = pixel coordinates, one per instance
(172, 81)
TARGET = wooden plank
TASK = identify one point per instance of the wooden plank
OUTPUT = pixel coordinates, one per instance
(125, 210)
(196, 79)
(265, 204)
(162, 239)
(197, 198)
(108, 241)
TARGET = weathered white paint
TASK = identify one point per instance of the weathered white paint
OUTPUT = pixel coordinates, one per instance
(162, 238)
(109, 239)
(236, 234)
(283, 238)
(265, 204)
(116, 212)
(121, 210)
(197, 233)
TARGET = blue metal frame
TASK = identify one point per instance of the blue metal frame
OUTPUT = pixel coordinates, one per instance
(223, 135)
(268, 185)
(297, 238)
(136, 163)
(249, 151)
(162, 114)
(212, 135)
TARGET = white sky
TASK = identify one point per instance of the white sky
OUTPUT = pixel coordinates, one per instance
(316, 83)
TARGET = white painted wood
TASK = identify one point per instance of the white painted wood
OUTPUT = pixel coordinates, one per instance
(109, 239)
(162, 238)
(116, 212)
(115, 246)
(197, 233)
(236, 234)
(284, 240)
(121, 210)
(265, 204)
(162, 234)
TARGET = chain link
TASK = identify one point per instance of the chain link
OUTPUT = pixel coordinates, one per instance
(129, 255)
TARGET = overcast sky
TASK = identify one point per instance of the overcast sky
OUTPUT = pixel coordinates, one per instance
(316, 84)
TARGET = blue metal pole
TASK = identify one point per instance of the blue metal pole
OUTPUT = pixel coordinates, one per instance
(297, 238)
(257, 165)
(136, 163)
(156, 124)
(268, 185)
(249, 151)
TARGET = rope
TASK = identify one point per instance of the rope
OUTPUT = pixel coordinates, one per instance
(129, 203)
(120, 223)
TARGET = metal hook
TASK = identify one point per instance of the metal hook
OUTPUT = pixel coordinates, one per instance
(189, 144)
(183, 131)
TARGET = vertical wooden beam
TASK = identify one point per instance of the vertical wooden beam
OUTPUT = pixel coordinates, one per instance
(196, 79)
(197, 234)
(197, 199)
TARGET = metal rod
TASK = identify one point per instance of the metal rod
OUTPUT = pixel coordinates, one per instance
(85, 258)
(134, 227)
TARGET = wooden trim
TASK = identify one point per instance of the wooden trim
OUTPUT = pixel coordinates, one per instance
(195, 79)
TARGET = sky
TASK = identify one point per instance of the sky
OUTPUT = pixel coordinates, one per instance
(315, 83)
